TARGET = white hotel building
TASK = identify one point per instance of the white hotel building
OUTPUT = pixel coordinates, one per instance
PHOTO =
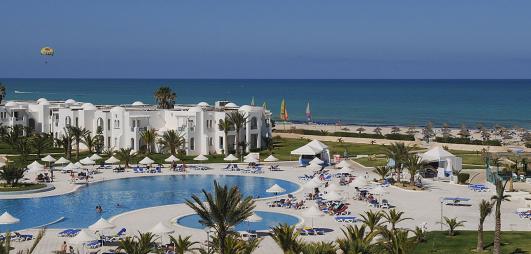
(122, 125)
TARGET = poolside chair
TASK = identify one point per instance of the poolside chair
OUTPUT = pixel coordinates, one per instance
(69, 232)
(94, 244)
(20, 237)
(158, 170)
(136, 170)
(385, 204)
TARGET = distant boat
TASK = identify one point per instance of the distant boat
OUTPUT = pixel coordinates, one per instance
(283, 111)
(308, 112)
(17, 91)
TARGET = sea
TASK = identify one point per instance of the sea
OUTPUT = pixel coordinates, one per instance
(364, 102)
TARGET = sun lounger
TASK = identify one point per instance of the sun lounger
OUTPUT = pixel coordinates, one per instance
(94, 244)
(69, 233)
(20, 237)
(385, 204)
(158, 170)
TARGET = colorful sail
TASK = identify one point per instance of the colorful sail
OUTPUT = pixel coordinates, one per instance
(308, 112)
(283, 111)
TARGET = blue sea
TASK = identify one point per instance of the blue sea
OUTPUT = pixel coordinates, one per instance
(367, 102)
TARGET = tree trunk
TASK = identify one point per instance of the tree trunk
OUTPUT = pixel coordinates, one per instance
(497, 230)
(481, 243)
(225, 144)
(398, 172)
(77, 150)
(238, 142)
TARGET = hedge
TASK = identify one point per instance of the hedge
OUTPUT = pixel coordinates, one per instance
(349, 134)
(453, 140)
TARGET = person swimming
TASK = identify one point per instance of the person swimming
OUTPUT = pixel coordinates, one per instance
(99, 209)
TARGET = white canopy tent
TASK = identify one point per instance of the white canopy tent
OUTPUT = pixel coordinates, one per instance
(312, 150)
(446, 162)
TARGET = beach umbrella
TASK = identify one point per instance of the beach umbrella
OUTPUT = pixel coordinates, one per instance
(345, 171)
(312, 184)
(78, 165)
(270, 158)
(172, 158)
(132, 152)
(112, 160)
(312, 212)
(70, 166)
(6, 219)
(95, 157)
(82, 238)
(316, 160)
(332, 196)
(2, 164)
(200, 158)
(35, 167)
(343, 163)
(314, 167)
(230, 157)
(62, 160)
(101, 224)
(146, 161)
(250, 159)
(275, 189)
(48, 158)
(87, 161)
(161, 230)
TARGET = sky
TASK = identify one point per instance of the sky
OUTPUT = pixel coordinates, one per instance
(266, 39)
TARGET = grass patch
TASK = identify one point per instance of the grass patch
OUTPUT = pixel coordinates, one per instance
(377, 162)
(465, 242)
(21, 187)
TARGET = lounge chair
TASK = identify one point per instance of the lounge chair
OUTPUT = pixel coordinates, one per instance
(94, 244)
(158, 170)
(69, 233)
(20, 237)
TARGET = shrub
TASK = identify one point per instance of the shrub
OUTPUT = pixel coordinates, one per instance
(454, 140)
(463, 177)
(528, 145)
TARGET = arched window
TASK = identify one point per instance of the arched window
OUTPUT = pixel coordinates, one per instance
(68, 121)
(254, 123)
(99, 123)
(77, 121)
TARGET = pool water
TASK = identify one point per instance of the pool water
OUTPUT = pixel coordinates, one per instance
(269, 220)
(118, 196)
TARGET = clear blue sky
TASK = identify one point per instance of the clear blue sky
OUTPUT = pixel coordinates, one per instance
(267, 39)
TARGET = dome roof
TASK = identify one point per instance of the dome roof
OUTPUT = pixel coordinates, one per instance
(246, 108)
(70, 101)
(195, 109)
(11, 104)
(117, 108)
(42, 100)
(137, 103)
(88, 106)
(231, 105)
(202, 104)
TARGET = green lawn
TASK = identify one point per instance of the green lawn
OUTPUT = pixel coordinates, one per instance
(372, 163)
(21, 187)
(465, 242)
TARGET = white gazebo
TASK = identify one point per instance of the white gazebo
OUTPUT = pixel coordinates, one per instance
(446, 162)
(312, 150)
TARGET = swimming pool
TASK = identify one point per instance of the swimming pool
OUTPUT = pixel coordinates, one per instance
(122, 195)
(269, 219)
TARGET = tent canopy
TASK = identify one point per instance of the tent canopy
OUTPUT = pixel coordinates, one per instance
(435, 154)
(270, 158)
(62, 160)
(146, 161)
(48, 158)
(112, 160)
(172, 158)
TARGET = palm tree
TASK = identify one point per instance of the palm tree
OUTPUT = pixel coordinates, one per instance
(142, 244)
(382, 171)
(427, 132)
(65, 141)
(395, 130)
(225, 125)
(124, 155)
(452, 224)
(77, 134)
(171, 141)
(498, 199)
(485, 209)
(356, 239)
(319, 248)
(395, 241)
(287, 238)
(393, 217)
(378, 131)
(235, 245)
(413, 164)
(398, 152)
(165, 97)
(2, 92)
(148, 137)
(89, 141)
(183, 245)
(41, 142)
(11, 175)
(360, 130)
(372, 220)
(419, 234)
(238, 120)
(222, 210)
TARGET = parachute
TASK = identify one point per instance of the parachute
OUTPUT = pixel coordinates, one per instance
(47, 52)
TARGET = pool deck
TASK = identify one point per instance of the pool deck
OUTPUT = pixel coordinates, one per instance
(422, 206)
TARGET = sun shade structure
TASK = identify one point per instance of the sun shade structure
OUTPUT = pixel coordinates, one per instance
(62, 160)
(253, 218)
(250, 159)
(345, 171)
(83, 237)
(316, 161)
(48, 158)
(314, 148)
(95, 157)
(270, 158)
(200, 158)
(35, 164)
(172, 158)
(6, 219)
(436, 154)
(112, 160)
(101, 224)
(146, 161)
(230, 157)
(71, 166)
(275, 189)
(78, 164)
(161, 229)
(87, 161)
(314, 167)
(312, 212)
